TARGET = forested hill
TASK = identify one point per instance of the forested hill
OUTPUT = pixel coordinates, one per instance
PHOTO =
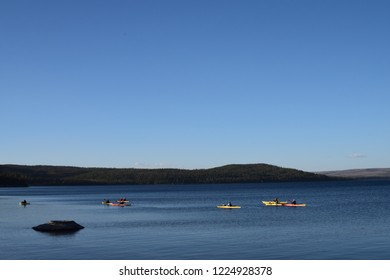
(12, 180)
(235, 173)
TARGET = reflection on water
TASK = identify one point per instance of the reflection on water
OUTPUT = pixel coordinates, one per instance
(63, 233)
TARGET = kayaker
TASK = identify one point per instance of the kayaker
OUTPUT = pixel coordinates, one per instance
(229, 204)
(24, 202)
(276, 200)
(293, 201)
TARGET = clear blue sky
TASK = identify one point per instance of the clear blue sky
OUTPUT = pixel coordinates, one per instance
(195, 84)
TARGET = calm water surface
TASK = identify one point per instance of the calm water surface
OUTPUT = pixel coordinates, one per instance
(342, 220)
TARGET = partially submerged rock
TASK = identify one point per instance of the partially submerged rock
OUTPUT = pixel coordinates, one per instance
(59, 226)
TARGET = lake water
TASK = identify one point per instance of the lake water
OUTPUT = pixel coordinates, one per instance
(342, 220)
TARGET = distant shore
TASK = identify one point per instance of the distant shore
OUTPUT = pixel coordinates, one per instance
(368, 173)
(23, 175)
(234, 173)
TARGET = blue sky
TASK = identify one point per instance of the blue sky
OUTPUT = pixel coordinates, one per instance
(195, 84)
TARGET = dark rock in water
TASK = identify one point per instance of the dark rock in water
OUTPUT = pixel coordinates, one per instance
(59, 226)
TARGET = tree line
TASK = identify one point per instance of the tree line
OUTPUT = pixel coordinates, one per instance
(235, 173)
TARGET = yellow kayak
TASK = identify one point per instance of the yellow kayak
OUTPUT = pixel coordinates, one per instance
(229, 207)
(273, 203)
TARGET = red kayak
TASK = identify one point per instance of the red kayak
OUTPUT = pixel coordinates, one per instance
(120, 204)
(294, 204)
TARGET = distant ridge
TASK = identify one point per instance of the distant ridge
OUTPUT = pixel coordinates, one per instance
(234, 173)
(369, 173)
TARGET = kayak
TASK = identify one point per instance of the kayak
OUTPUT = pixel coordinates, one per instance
(120, 204)
(229, 207)
(294, 205)
(24, 203)
(122, 200)
(273, 203)
(116, 204)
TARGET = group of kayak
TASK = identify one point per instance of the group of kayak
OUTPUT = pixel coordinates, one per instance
(275, 202)
(122, 202)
